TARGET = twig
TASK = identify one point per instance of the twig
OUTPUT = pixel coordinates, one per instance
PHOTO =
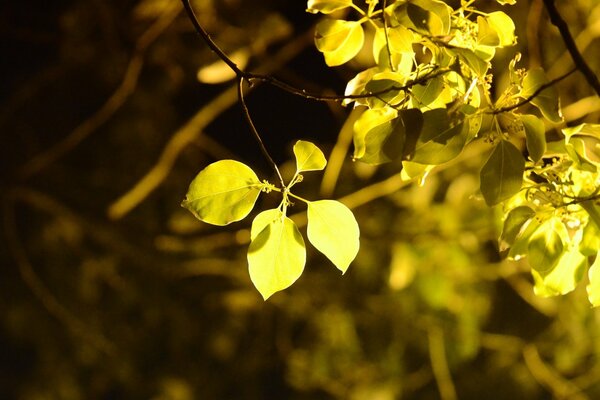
(192, 129)
(578, 59)
(534, 94)
(110, 107)
(39, 289)
(550, 379)
(261, 144)
(439, 364)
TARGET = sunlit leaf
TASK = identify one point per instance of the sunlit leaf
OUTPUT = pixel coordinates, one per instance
(333, 230)
(593, 287)
(502, 175)
(327, 6)
(563, 278)
(427, 16)
(220, 72)
(223, 192)
(547, 100)
(475, 63)
(535, 134)
(339, 40)
(518, 249)
(486, 34)
(277, 254)
(439, 141)
(514, 224)
(504, 2)
(546, 245)
(376, 139)
(504, 26)
(308, 157)
(590, 241)
(357, 85)
(424, 95)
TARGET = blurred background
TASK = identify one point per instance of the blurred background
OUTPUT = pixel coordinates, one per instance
(110, 290)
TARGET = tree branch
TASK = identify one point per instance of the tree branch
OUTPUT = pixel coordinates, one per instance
(580, 63)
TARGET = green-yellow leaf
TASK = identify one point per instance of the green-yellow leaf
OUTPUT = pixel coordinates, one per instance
(486, 35)
(277, 254)
(377, 138)
(223, 192)
(502, 175)
(439, 141)
(333, 230)
(563, 278)
(504, 27)
(428, 16)
(327, 6)
(339, 40)
(547, 100)
(308, 157)
(535, 134)
(514, 224)
(590, 241)
(546, 245)
(593, 287)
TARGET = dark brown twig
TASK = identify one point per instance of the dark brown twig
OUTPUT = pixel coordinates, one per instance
(578, 59)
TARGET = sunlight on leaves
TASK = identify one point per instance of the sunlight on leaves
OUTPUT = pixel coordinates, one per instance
(333, 230)
(277, 253)
(339, 40)
(308, 157)
(223, 192)
(546, 245)
(535, 135)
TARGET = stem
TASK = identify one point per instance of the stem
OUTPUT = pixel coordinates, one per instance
(298, 197)
(254, 131)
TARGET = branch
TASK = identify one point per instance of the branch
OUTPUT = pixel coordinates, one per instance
(580, 63)
(534, 94)
(250, 76)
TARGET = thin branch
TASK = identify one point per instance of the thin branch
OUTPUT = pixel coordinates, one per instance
(251, 77)
(534, 94)
(254, 131)
(578, 59)
(439, 364)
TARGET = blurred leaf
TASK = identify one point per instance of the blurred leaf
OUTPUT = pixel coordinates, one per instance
(219, 72)
(546, 245)
(333, 230)
(277, 254)
(514, 224)
(593, 287)
(223, 192)
(327, 6)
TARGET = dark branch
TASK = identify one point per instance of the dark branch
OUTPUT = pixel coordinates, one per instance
(254, 131)
(580, 63)
(534, 94)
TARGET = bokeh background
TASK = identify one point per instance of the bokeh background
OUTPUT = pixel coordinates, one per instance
(110, 290)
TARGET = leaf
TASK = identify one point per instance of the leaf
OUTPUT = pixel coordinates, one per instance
(593, 287)
(223, 192)
(428, 16)
(513, 225)
(502, 175)
(546, 245)
(327, 6)
(439, 141)
(333, 230)
(563, 278)
(423, 95)
(535, 134)
(219, 71)
(486, 34)
(547, 100)
(590, 241)
(376, 137)
(308, 157)
(277, 254)
(475, 63)
(339, 40)
(504, 26)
